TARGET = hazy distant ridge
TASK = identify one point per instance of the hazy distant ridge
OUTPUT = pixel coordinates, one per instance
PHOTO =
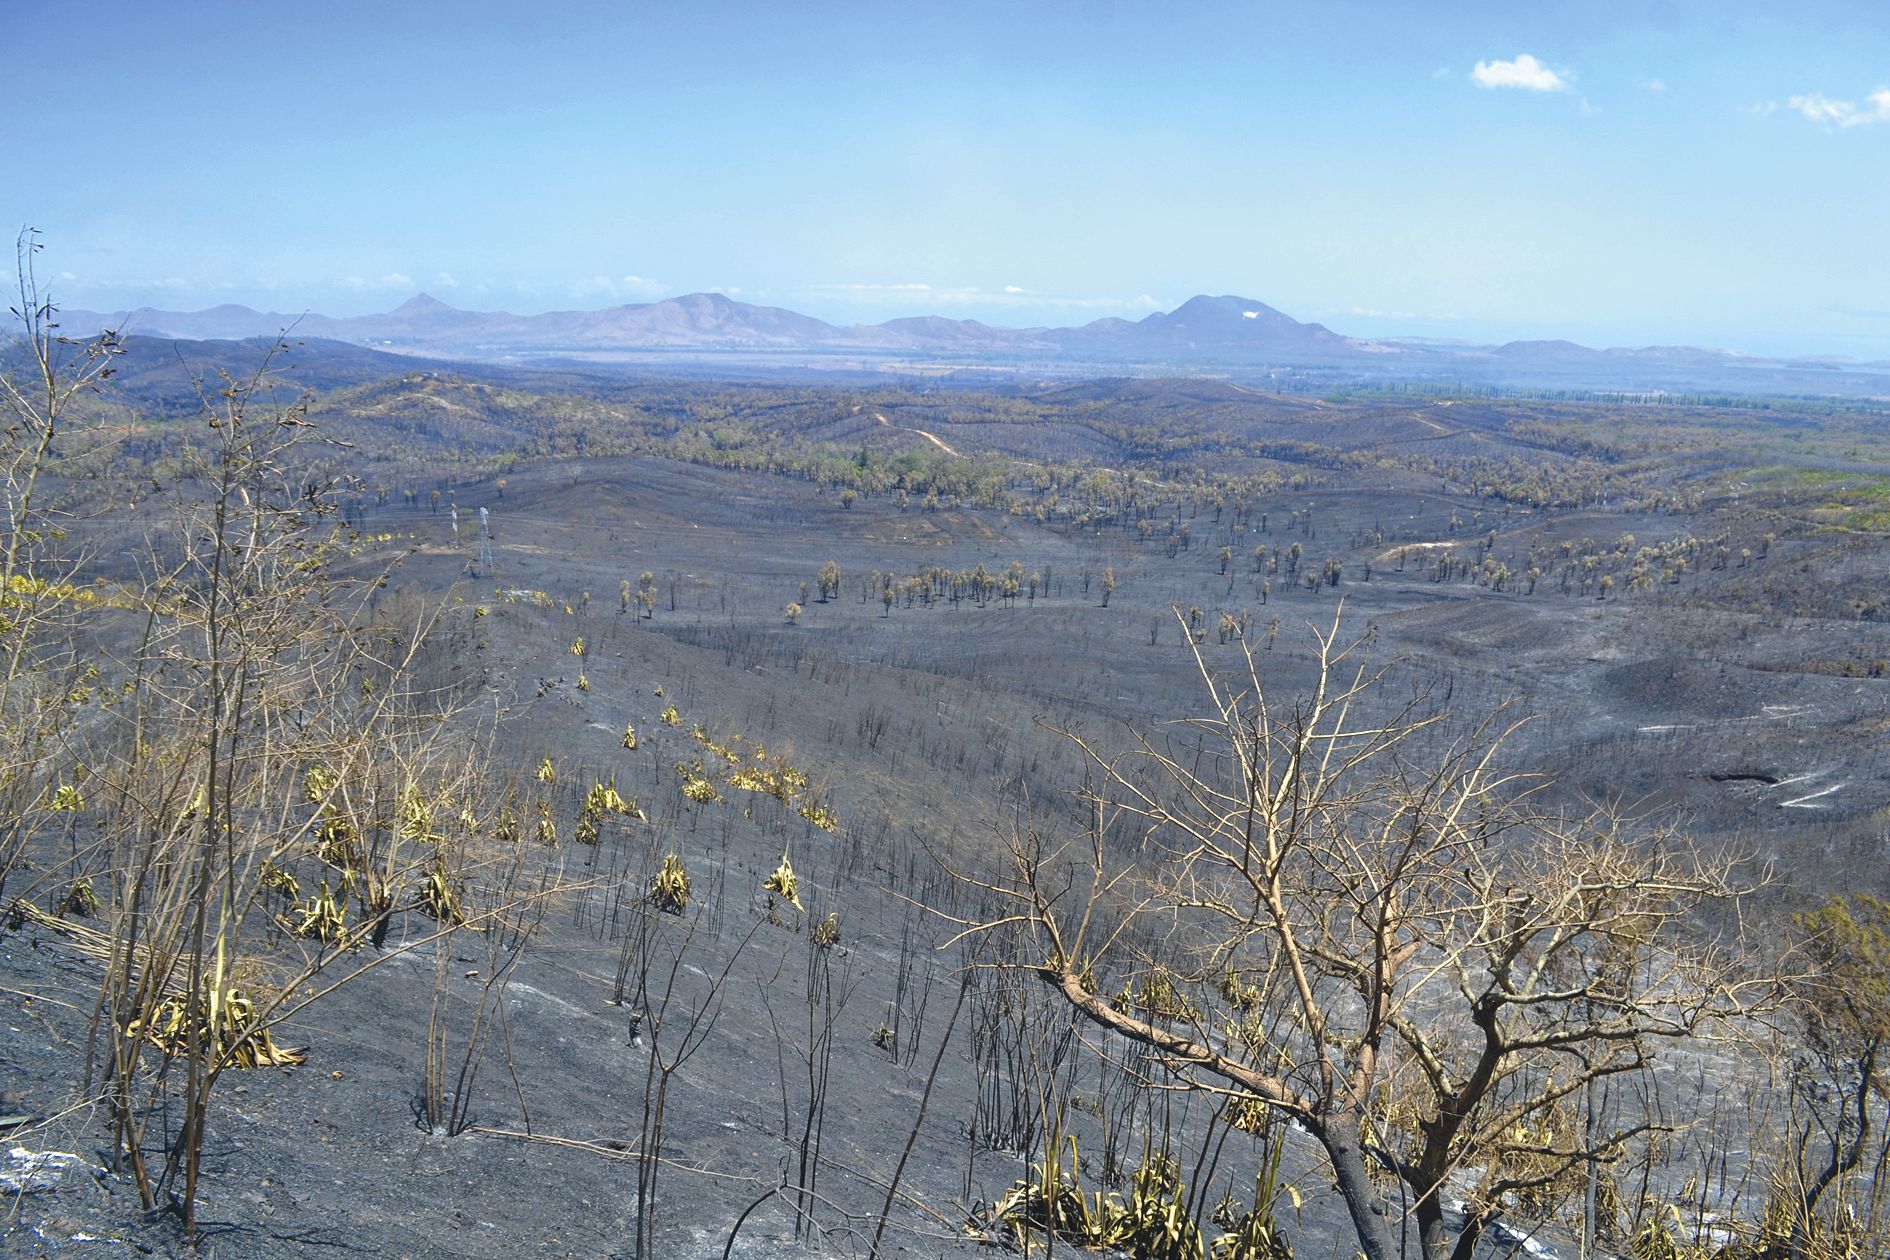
(1226, 333)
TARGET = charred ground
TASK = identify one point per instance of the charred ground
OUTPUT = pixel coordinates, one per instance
(1685, 597)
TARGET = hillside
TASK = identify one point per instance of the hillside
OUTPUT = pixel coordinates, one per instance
(1684, 601)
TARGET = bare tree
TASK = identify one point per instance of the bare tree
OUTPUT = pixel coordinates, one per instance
(40, 601)
(1335, 909)
(264, 718)
(1836, 1081)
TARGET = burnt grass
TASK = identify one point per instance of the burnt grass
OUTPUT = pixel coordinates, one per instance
(933, 730)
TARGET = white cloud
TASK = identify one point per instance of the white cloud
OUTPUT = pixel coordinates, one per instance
(1656, 86)
(875, 288)
(1523, 72)
(1373, 312)
(1819, 108)
(165, 284)
(617, 288)
(915, 294)
(446, 280)
(392, 280)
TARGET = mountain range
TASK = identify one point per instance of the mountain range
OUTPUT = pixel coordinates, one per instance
(1227, 335)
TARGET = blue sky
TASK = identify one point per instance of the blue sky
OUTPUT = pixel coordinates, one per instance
(1666, 171)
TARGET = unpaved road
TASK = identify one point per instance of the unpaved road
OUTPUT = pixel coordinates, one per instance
(933, 439)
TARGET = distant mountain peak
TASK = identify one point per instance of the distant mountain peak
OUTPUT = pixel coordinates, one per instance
(1226, 306)
(424, 304)
(1229, 321)
(1226, 302)
(700, 301)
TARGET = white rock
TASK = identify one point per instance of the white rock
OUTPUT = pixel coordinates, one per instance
(29, 1172)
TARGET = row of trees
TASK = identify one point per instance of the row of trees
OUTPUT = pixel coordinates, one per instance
(942, 584)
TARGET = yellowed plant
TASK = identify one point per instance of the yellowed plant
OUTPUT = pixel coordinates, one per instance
(820, 816)
(318, 783)
(226, 1028)
(277, 879)
(323, 917)
(79, 898)
(439, 900)
(783, 883)
(669, 888)
(826, 933)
